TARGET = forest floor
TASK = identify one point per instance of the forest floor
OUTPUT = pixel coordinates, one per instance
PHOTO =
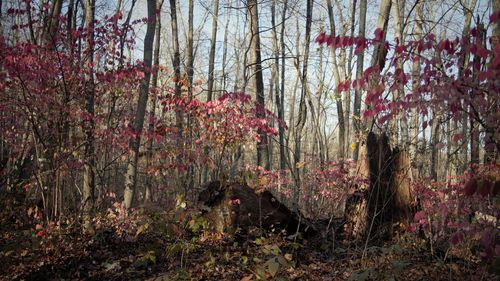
(160, 252)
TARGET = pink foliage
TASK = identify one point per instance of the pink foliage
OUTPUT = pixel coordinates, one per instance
(440, 87)
(458, 212)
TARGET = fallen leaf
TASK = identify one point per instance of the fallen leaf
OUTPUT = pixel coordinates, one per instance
(247, 278)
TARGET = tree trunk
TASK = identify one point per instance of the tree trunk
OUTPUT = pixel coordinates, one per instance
(491, 137)
(281, 107)
(224, 56)
(468, 7)
(53, 22)
(434, 149)
(302, 104)
(124, 33)
(371, 212)
(414, 127)
(400, 123)
(89, 154)
(211, 56)
(474, 125)
(356, 123)
(189, 49)
(262, 160)
(380, 52)
(338, 96)
(135, 142)
(154, 84)
(176, 63)
(275, 79)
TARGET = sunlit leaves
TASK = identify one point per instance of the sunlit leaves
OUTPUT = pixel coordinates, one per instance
(446, 84)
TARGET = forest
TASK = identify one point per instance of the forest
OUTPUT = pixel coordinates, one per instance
(249, 140)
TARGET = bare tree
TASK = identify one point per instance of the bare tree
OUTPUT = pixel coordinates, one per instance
(211, 56)
(135, 143)
(380, 52)
(281, 107)
(302, 104)
(262, 160)
(189, 49)
(416, 68)
(356, 124)
(337, 79)
(89, 157)
(154, 85)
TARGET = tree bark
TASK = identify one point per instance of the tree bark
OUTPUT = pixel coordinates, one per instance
(281, 107)
(416, 68)
(356, 123)
(176, 63)
(89, 153)
(189, 50)
(53, 23)
(338, 96)
(474, 125)
(302, 104)
(400, 123)
(434, 149)
(211, 56)
(491, 141)
(154, 84)
(262, 160)
(380, 52)
(135, 142)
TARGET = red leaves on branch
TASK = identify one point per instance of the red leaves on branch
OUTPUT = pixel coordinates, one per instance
(439, 87)
(344, 86)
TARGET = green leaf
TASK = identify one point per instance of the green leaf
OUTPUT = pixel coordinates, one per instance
(361, 276)
(275, 250)
(272, 266)
(259, 241)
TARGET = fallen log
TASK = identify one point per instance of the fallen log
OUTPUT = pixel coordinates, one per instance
(232, 207)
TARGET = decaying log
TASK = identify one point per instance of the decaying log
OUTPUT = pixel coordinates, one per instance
(235, 206)
(388, 200)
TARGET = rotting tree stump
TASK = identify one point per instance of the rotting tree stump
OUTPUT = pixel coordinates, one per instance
(388, 200)
(233, 206)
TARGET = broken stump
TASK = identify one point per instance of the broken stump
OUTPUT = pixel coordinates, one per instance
(388, 200)
(233, 206)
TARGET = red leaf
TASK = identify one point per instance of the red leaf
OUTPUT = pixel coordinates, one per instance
(379, 34)
(473, 32)
(458, 137)
(496, 62)
(495, 17)
(321, 38)
(482, 52)
(384, 118)
(470, 187)
(439, 145)
(456, 238)
(400, 49)
(419, 216)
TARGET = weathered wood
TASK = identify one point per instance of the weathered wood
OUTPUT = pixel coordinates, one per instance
(235, 206)
(389, 199)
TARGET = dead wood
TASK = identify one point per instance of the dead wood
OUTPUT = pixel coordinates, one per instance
(388, 201)
(234, 206)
